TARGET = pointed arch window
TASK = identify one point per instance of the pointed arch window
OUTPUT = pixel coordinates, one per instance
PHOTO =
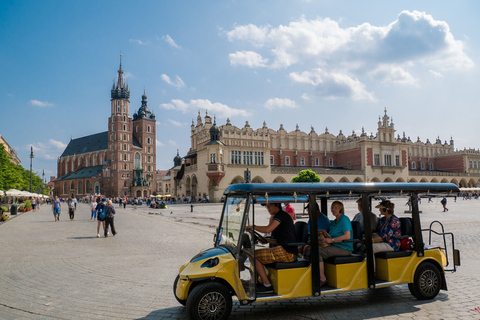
(148, 128)
(124, 128)
(137, 160)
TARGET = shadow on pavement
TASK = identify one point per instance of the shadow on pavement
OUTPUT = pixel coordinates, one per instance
(352, 305)
(80, 238)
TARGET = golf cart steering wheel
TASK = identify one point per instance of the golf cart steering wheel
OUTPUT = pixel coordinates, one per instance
(258, 236)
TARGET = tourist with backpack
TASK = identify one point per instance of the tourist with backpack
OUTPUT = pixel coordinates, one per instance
(444, 204)
(101, 214)
(109, 220)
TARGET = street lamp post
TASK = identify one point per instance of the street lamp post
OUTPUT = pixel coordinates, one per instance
(31, 161)
(43, 180)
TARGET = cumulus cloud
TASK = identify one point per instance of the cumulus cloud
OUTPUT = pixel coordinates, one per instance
(247, 58)
(171, 42)
(334, 85)
(47, 150)
(436, 74)
(39, 103)
(216, 108)
(279, 103)
(159, 144)
(413, 43)
(177, 83)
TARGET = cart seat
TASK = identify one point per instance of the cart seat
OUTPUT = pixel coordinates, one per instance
(393, 254)
(300, 263)
(353, 258)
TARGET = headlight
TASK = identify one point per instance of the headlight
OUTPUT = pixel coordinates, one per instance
(210, 263)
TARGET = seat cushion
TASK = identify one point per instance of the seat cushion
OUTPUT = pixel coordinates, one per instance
(393, 254)
(353, 258)
(300, 263)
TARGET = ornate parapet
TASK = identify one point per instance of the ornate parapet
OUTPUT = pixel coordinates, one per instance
(318, 170)
(443, 174)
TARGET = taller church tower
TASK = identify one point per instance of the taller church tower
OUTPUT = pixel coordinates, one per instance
(120, 138)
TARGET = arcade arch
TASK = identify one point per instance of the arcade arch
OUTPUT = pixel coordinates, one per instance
(258, 179)
(279, 180)
(237, 179)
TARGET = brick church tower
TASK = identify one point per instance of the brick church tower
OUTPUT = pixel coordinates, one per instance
(144, 132)
(120, 138)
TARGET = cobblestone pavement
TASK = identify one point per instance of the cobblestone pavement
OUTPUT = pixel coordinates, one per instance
(61, 270)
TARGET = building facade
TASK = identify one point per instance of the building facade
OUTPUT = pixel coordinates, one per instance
(11, 152)
(117, 162)
(219, 156)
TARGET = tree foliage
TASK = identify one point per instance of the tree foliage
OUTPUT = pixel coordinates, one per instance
(307, 175)
(14, 176)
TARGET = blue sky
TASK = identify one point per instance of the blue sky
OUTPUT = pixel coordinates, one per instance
(334, 64)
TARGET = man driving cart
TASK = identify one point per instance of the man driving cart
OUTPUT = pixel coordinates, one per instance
(283, 232)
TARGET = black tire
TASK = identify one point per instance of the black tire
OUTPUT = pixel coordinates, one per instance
(182, 302)
(209, 300)
(427, 282)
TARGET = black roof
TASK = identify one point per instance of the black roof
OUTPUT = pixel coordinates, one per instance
(91, 143)
(135, 142)
(86, 172)
(346, 188)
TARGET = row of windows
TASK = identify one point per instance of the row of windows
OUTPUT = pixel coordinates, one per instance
(474, 165)
(387, 160)
(422, 165)
(302, 161)
(246, 157)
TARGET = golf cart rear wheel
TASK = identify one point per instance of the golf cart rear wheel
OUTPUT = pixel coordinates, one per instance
(427, 282)
(209, 301)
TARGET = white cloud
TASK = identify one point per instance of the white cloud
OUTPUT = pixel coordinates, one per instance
(171, 42)
(279, 103)
(177, 83)
(393, 74)
(175, 123)
(172, 143)
(436, 74)
(219, 109)
(39, 103)
(413, 43)
(128, 75)
(334, 85)
(47, 150)
(159, 144)
(140, 42)
(306, 97)
(247, 58)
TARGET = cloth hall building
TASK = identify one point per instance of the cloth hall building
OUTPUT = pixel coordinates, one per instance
(117, 162)
(219, 156)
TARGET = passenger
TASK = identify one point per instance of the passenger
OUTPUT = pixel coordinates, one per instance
(322, 224)
(290, 210)
(340, 229)
(388, 227)
(359, 217)
(283, 232)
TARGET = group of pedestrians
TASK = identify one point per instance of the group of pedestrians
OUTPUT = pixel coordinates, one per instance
(101, 209)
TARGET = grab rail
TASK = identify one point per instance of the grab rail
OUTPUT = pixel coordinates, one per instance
(455, 252)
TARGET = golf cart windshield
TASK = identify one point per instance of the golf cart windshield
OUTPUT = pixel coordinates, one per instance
(232, 217)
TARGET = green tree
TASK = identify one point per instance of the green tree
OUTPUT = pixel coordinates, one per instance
(14, 176)
(307, 175)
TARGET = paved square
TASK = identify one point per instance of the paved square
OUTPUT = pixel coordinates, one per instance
(61, 270)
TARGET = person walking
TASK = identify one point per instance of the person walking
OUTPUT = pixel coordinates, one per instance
(109, 220)
(75, 202)
(101, 215)
(71, 210)
(93, 208)
(56, 208)
(444, 204)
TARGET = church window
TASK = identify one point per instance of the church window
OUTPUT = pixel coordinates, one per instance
(125, 147)
(125, 167)
(148, 159)
(124, 157)
(118, 103)
(148, 140)
(149, 150)
(148, 128)
(136, 129)
(102, 159)
(124, 119)
(124, 128)
(87, 162)
(137, 160)
(125, 137)
(124, 109)
(118, 109)
(287, 160)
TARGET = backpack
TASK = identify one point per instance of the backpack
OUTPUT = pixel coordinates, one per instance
(444, 201)
(101, 211)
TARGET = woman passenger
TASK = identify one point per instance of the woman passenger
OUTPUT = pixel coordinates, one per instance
(388, 227)
(340, 229)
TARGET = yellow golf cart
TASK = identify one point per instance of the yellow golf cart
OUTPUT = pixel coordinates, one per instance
(206, 283)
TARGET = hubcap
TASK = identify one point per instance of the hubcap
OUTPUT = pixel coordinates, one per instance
(428, 282)
(212, 306)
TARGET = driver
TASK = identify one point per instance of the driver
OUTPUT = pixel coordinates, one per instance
(283, 232)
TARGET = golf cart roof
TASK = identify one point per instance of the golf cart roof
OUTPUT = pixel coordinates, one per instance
(340, 189)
